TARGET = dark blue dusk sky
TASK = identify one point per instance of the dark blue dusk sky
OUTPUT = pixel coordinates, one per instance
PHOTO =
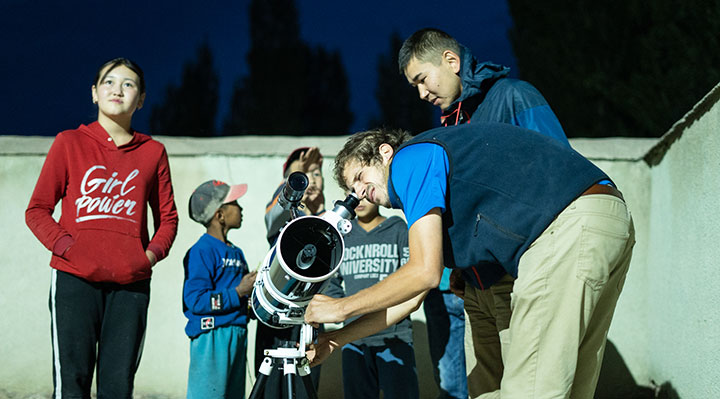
(51, 50)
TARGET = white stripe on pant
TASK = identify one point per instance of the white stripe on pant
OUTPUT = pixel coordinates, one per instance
(106, 316)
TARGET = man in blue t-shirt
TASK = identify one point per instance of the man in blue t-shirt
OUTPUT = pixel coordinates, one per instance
(479, 198)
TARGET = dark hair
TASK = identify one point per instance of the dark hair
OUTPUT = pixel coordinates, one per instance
(114, 63)
(294, 156)
(365, 148)
(426, 45)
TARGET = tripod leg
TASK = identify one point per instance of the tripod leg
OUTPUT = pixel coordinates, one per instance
(264, 372)
(304, 373)
(290, 371)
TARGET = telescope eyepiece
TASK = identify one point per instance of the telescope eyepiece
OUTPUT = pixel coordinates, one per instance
(297, 181)
(294, 189)
(352, 200)
(346, 207)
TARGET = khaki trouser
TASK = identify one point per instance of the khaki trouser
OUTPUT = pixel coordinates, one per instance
(563, 301)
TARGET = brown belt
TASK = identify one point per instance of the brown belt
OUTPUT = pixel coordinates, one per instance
(603, 189)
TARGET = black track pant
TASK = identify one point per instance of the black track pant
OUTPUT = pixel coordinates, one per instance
(91, 323)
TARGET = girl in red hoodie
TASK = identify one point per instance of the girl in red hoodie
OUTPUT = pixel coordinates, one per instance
(106, 175)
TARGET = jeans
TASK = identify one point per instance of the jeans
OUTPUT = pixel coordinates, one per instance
(389, 368)
(446, 331)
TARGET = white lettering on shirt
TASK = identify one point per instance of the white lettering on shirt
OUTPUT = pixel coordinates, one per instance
(105, 198)
(374, 261)
(233, 262)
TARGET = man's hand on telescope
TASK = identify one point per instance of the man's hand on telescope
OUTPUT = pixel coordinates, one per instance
(323, 309)
(364, 326)
(320, 350)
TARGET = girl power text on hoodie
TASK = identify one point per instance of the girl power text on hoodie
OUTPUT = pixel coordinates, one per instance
(102, 233)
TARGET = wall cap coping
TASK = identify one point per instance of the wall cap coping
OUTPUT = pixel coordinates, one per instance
(656, 154)
(612, 148)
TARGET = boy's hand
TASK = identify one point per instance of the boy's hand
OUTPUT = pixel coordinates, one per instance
(457, 284)
(314, 201)
(307, 158)
(246, 285)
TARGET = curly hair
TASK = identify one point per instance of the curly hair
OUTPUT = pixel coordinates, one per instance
(364, 147)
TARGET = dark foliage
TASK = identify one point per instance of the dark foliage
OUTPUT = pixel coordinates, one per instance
(618, 68)
(190, 108)
(291, 89)
(400, 106)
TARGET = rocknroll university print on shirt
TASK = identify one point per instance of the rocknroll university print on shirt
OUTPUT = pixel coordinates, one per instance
(372, 261)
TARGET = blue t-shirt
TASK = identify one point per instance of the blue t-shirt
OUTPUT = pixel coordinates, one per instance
(422, 169)
(419, 177)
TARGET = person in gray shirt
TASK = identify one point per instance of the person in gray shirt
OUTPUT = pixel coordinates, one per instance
(375, 247)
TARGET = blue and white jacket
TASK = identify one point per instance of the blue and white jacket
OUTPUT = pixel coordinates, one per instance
(212, 271)
(488, 95)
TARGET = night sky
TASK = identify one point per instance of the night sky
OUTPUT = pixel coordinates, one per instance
(51, 50)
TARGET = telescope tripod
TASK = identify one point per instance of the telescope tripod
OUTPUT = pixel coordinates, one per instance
(294, 363)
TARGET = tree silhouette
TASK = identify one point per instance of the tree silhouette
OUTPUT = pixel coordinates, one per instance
(327, 110)
(190, 109)
(400, 106)
(618, 68)
(290, 89)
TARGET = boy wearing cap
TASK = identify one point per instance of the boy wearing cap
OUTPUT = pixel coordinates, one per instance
(215, 293)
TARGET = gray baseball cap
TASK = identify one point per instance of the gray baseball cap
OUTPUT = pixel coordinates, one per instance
(211, 195)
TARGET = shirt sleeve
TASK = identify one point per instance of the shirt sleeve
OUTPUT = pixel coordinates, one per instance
(542, 119)
(403, 245)
(532, 111)
(275, 216)
(334, 289)
(49, 190)
(200, 294)
(419, 178)
(165, 217)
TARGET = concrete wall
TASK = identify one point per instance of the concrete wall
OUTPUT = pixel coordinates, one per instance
(25, 347)
(683, 255)
(666, 327)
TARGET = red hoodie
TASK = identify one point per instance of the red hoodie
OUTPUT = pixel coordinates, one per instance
(102, 234)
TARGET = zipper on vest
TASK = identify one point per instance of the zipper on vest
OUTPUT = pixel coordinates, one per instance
(479, 217)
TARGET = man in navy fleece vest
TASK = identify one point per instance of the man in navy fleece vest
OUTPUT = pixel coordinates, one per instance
(479, 198)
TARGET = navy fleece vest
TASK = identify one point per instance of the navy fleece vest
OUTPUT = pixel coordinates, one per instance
(506, 184)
